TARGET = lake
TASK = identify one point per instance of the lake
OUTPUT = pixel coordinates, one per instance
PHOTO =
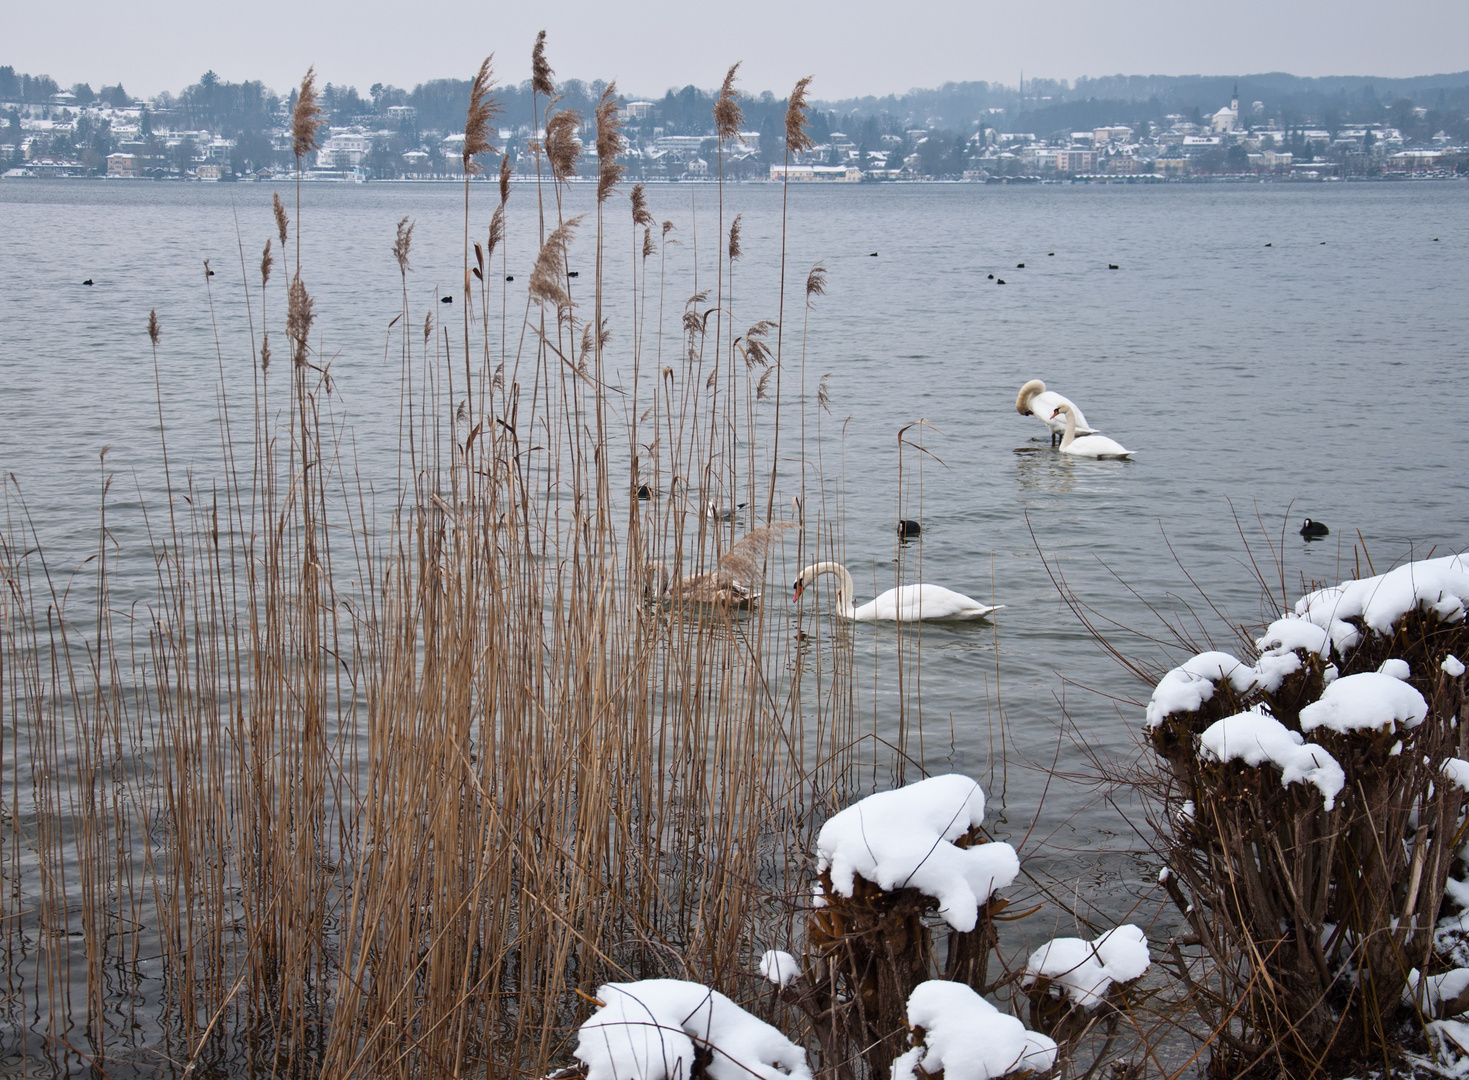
(1270, 352)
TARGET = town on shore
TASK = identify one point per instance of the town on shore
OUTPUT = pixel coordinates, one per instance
(220, 131)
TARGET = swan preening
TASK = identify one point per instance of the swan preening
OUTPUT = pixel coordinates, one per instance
(735, 584)
(1035, 400)
(1091, 446)
(907, 603)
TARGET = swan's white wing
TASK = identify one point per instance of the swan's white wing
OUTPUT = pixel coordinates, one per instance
(1097, 446)
(931, 603)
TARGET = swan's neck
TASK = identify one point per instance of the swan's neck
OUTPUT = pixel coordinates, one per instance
(1070, 436)
(845, 607)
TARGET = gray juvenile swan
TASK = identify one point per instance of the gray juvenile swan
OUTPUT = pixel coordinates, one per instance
(735, 584)
(907, 603)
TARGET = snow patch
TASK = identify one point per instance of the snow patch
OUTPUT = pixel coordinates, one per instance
(1255, 738)
(1395, 667)
(1187, 687)
(904, 839)
(1457, 770)
(1292, 633)
(1453, 665)
(1086, 970)
(967, 1038)
(779, 967)
(1438, 586)
(647, 1031)
(1371, 701)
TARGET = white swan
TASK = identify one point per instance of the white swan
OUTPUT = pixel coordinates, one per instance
(907, 603)
(1035, 400)
(1092, 446)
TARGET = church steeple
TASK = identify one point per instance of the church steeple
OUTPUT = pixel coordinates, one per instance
(1234, 101)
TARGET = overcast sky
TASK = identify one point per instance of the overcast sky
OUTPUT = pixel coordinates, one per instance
(853, 47)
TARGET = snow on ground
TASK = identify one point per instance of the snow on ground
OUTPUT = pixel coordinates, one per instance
(1086, 970)
(904, 839)
(647, 1031)
(968, 1038)
(1436, 585)
(1371, 701)
(1429, 993)
(1256, 738)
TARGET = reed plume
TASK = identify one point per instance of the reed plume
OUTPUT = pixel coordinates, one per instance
(609, 142)
(735, 251)
(727, 114)
(640, 215)
(541, 75)
(153, 327)
(265, 352)
(482, 109)
(648, 248)
(563, 150)
(815, 283)
(497, 232)
(299, 317)
(547, 280)
(281, 221)
(305, 120)
(797, 138)
(504, 179)
(266, 262)
(402, 244)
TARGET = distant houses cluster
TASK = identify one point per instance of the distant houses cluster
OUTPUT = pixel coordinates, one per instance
(82, 134)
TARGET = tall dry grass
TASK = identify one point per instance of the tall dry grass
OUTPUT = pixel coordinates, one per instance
(366, 794)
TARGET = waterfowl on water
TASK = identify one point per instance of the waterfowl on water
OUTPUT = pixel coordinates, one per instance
(907, 603)
(1035, 400)
(908, 529)
(734, 584)
(714, 512)
(1020, 266)
(1090, 446)
(446, 299)
(1113, 266)
(1314, 530)
(87, 282)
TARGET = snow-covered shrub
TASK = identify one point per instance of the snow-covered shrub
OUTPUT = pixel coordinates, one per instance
(1325, 809)
(887, 866)
(668, 1029)
(960, 1036)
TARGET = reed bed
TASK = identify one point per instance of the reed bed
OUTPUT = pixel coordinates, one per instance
(348, 796)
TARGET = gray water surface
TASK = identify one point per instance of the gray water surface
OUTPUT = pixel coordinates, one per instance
(1318, 376)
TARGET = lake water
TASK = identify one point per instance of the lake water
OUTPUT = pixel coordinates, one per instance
(1270, 352)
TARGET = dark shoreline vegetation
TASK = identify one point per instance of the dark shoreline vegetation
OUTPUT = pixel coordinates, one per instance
(355, 797)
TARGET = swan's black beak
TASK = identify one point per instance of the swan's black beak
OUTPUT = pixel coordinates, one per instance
(799, 588)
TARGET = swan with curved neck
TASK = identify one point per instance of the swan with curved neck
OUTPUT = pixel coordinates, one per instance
(907, 603)
(1091, 446)
(1035, 400)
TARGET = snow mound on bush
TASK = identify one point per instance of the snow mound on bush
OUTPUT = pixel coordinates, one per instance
(968, 1038)
(1439, 586)
(1086, 970)
(1254, 738)
(647, 1031)
(1371, 701)
(904, 839)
